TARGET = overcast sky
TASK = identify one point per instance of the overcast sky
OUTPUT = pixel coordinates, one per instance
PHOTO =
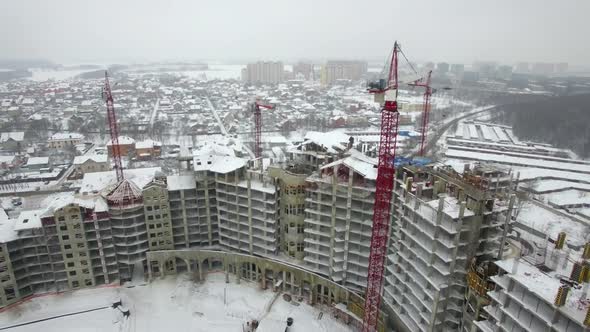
(439, 30)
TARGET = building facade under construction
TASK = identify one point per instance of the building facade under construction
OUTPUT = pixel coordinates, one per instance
(315, 211)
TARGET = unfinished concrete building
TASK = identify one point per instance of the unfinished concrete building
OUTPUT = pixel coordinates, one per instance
(318, 149)
(129, 227)
(338, 222)
(29, 265)
(291, 181)
(442, 223)
(188, 210)
(527, 299)
(156, 206)
(247, 204)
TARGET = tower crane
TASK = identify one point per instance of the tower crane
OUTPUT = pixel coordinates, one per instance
(426, 83)
(386, 89)
(255, 108)
(114, 131)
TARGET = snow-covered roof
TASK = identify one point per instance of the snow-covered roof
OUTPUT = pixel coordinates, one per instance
(7, 232)
(330, 141)
(7, 159)
(217, 158)
(181, 182)
(225, 165)
(38, 161)
(99, 181)
(28, 220)
(99, 158)
(359, 163)
(66, 137)
(18, 136)
(546, 286)
(123, 140)
(58, 201)
(147, 144)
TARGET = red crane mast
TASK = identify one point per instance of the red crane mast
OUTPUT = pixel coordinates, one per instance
(383, 193)
(108, 96)
(258, 127)
(426, 112)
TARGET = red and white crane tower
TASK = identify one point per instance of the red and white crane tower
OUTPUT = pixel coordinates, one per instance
(426, 83)
(255, 107)
(383, 191)
(108, 96)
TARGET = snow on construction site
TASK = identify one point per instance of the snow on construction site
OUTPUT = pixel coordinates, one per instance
(172, 304)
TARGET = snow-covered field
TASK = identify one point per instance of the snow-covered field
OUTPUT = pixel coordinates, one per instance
(172, 304)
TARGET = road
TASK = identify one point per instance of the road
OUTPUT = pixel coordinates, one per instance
(434, 137)
(219, 122)
(154, 113)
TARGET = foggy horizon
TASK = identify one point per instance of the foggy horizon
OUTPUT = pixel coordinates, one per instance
(459, 31)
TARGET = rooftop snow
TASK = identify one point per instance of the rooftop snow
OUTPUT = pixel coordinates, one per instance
(14, 135)
(66, 136)
(147, 144)
(38, 161)
(99, 158)
(99, 181)
(28, 220)
(545, 287)
(56, 202)
(330, 140)
(123, 140)
(181, 182)
(363, 165)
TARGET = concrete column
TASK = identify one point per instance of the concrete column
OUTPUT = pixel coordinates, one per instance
(263, 278)
(200, 265)
(284, 279)
(150, 271)
(249, 191)
(226, 269)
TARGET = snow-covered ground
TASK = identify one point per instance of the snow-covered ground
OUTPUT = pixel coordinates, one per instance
(551, 223)
(172, 304)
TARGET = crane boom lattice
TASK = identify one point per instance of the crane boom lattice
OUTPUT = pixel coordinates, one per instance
(382, 205)
(114, 131)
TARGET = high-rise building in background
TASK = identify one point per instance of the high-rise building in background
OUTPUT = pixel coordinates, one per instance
(263, 72)
(561, 67)
(543, 68)
(333, 71)
(442, 67)
(458, 69)
(304, 70)
(486, 69)
(522, 68)
(504, 72)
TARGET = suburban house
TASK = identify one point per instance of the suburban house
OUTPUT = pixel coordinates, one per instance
(90, 164)
(63, 140)
(12, 141)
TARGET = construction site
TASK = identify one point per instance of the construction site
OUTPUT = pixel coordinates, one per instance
(328, 239)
